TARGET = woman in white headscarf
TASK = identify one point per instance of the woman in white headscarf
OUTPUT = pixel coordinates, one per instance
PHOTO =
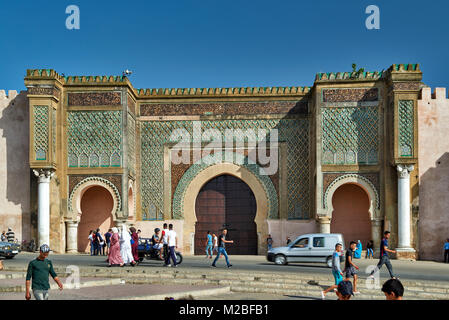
(114, 256)
(125, 246)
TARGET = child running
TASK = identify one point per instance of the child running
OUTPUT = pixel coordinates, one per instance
(336, 271)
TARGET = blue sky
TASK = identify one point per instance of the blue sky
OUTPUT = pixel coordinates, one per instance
(211, 43)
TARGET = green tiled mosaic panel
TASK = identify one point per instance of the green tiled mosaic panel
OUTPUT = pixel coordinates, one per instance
(155, 134)
(41, 130)
(94, 138)
(406, 122)
(350, 135)
(131, 144)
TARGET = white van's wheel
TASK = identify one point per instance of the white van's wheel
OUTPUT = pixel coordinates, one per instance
(329, 262)
(280, 259)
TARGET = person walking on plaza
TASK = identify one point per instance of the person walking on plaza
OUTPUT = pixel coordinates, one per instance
(172, 241)
(91, 242)
(384, 258)
(393, 289)
(3, 237)
(209, 245)
(10, 236)
(165, 244)
(125, 246)
(336, 270)
(369, 250)
(37, 275)
(222, 248)
(214, 236)
(107, 238)
(446, 251)
(114, 254)
(350, 267)
(269, 242)
(134, 244)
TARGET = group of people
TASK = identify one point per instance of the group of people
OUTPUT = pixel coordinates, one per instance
(218, 244)
(392, 288)
(351, 269)
(8, 236)
(121, 247)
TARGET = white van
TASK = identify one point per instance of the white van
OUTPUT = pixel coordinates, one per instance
(314, 247)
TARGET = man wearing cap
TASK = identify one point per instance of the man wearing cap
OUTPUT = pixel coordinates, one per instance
(37, 275)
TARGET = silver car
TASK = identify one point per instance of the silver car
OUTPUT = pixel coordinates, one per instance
(314, 247)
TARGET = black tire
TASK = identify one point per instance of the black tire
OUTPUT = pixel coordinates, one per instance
(10, 257)
(178, 258)
(280, 259)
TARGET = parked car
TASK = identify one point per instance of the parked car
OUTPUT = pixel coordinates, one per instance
(315, 247)
(9, 250)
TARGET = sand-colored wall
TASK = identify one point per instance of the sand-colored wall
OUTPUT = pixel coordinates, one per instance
(433, 138)
(14, 165)
(281, 229)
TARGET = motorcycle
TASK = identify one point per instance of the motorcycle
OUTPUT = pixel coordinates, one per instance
(146, 251)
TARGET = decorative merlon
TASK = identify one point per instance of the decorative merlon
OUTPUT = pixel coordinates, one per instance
(11, 95)
(376, 75)
(438, 94)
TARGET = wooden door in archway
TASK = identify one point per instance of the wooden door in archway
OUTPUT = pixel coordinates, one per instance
(226, 201)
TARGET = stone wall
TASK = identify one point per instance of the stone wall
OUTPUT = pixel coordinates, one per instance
(433, 133)
(14, 165)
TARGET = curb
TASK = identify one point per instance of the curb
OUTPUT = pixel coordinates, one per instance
(182, 295)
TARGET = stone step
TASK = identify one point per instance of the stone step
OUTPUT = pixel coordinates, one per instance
(83, 284)
(278, 288)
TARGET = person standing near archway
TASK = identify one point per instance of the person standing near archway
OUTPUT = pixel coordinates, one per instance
(134, 243)
(114, 256)
(125, 247)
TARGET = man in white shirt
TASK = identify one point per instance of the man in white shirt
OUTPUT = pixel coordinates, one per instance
(165, 244)
(172, 244)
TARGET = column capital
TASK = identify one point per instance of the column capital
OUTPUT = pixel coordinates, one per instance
(44, 173)
(323, 219)
(404, 170)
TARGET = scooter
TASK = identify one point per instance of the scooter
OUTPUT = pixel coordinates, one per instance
(146, 251)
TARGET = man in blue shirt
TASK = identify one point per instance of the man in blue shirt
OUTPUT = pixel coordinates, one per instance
(446, 251)
(384, 258)
(209, 245)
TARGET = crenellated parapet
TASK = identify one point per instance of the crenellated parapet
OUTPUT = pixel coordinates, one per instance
(355, 76)
(223, 92)
(12, 94)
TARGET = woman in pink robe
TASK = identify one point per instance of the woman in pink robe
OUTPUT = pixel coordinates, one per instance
(114, 257)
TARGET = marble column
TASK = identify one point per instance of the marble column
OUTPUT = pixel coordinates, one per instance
(43, 208)
(376, 233)
(72, 236)
(404, 220)
(325, 224)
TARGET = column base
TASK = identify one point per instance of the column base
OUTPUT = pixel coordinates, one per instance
(406, 254)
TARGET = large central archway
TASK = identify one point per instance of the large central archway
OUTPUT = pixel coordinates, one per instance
(226, 201)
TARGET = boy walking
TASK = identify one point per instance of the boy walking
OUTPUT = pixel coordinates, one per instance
(37, 275)
(350, 267)
(336, 271)
(222, 248)
(384, 258)
(209, 245)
